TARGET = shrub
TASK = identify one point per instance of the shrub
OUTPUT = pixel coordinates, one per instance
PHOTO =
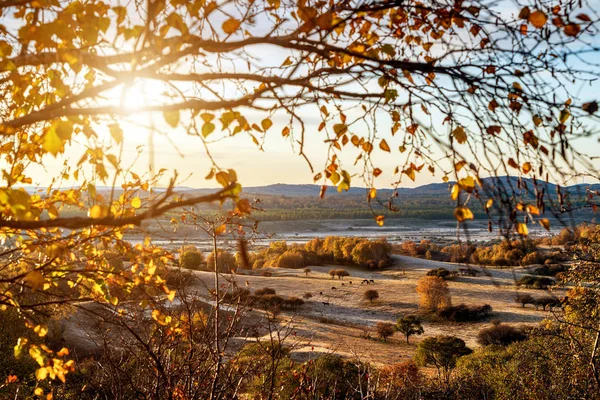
(547, 301)
(524, 299)
(264, 291)
(292, 303)
(306, 271)
(433, 293)
(191, 260)
(384, 330)
(531, 258)
(408, 326)
(371, 295)
(535, 282)
(403, 380)
(341, 273)
(501, 335)
(464, 313)
(266, 273)
(550, 269)
(307, 295)
(333, 273)
(440, 273)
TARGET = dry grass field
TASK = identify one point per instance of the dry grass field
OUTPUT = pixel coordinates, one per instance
(345, 324)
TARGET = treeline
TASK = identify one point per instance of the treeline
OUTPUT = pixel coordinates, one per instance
(505, 253)
(330, 250)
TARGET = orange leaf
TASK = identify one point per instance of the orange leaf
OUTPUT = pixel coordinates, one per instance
(384, 146)
(231, 25)
(538, 19)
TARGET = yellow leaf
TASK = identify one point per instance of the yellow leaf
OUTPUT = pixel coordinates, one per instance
(564, 116)
(34, 279)
(463, 213)
(489, 204)
(455, 192)
(231, 25)
(522, 229)
(410, 172)
(372, 193)
(219, 230)
(207, 117)
(545, 223)
(460, 135)
(38, 392)
(467, 184)
(533, 210)
(116, 132)
(52, 143)
(41, 330)
(136, 202)
(266, 124)
(171, 295)
(384, 146)
(526, 167)
(98, 211)
(63, 352)
(41, 373)
(340, 129)
(172, 118)
(380, 220)
(207, 129)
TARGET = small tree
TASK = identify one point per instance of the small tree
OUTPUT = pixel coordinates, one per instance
(341, 273)
(409, 325)
(442, 352)
(333, 273)
(307, 295)
(433, 293)
(307, 271)
(371, 295)
(384, 330)
(191, 259)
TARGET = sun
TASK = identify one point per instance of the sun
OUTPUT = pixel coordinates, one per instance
(138, 95)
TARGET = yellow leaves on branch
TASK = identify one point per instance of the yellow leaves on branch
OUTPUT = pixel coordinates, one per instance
(545, 223)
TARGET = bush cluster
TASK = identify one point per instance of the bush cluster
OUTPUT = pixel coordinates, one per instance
(442, 273)
(464, 313)
(535, 282)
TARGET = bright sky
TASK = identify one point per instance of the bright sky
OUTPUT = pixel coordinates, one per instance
(279, 162)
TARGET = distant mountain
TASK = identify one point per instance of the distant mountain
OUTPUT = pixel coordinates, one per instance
(505, 183)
